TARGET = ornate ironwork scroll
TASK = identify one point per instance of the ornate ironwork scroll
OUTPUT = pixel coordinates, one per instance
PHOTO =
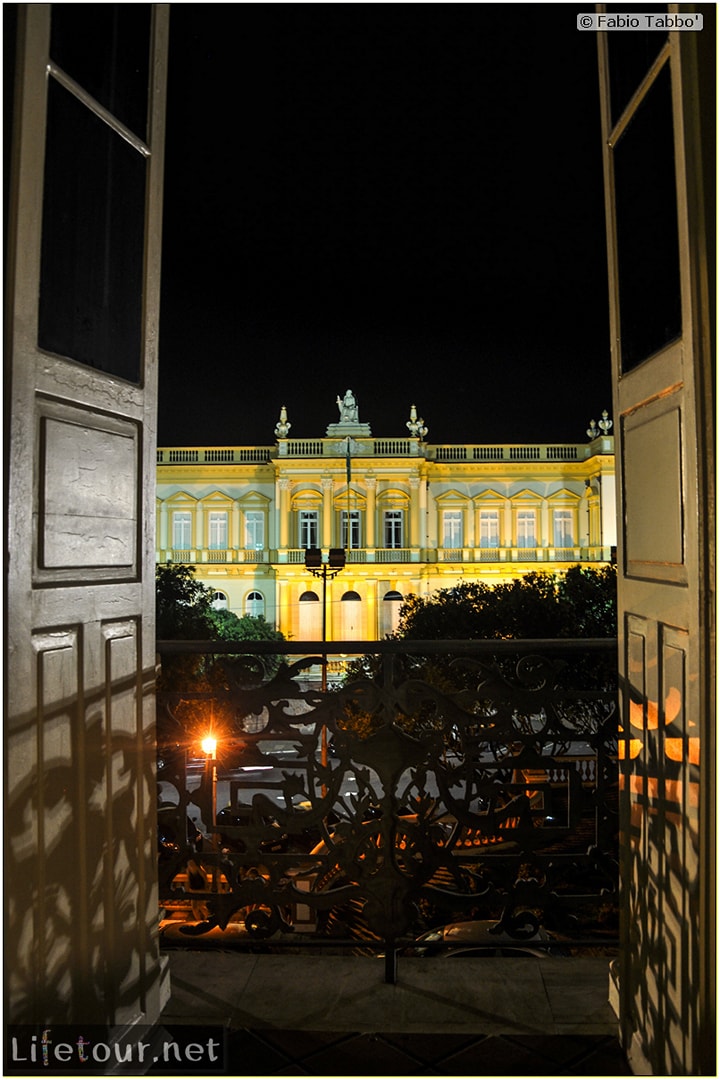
(439, 781)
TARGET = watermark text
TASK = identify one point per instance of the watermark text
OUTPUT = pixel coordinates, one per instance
(640, 21)
(100, 1051)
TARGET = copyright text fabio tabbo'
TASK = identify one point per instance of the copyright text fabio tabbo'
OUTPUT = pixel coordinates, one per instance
(591, 20)
(87, 1050)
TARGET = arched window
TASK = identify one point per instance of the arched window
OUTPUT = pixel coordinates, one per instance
(219, 601)
(350, 615)
(390, 612)
(254, 604)
(310, 628)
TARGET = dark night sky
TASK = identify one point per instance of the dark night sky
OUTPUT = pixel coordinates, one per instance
(403, 199)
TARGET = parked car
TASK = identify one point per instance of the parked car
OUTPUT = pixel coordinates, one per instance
(232, 819)
(481, 937)
(170, 839)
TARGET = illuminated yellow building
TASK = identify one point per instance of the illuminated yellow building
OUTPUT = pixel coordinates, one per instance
(413, 517)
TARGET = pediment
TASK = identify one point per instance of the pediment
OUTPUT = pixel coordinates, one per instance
(489, 496)
(181, 497)
(254, 498)
(358, 500)
(451, 496)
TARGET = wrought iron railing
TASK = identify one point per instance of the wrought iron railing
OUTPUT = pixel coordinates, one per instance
(436, 781)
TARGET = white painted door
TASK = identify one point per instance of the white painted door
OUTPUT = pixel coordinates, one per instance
(656, 172)
(83, 262)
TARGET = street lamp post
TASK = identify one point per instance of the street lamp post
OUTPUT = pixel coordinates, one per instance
(319, 569)
(209, 749)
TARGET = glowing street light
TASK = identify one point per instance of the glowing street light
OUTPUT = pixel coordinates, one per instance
(209, 746)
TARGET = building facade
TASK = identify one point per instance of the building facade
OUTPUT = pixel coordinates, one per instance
(411, 516)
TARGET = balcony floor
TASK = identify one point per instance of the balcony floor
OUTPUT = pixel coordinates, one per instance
(322, 1015)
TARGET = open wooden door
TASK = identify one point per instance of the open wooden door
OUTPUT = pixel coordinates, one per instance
(82, 272)
(658, 101)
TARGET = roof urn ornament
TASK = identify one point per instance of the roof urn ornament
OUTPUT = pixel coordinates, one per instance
(416, 427)
(283, 426)
(603, 427)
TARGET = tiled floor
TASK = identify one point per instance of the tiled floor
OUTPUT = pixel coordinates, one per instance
(323, 1016)
(324, 1053)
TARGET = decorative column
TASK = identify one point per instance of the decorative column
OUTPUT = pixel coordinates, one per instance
(422, 512)
(371, 489)
(546, 538)
(235, 540)
(470, 515)
(284, 512)
(608, 518)
(283, 624)
(371, 623)
(163, 525)
(199, 527)
(327, 518)
(414, 512)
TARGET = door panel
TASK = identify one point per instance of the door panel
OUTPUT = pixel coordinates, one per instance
(81, 903)
(659, 219)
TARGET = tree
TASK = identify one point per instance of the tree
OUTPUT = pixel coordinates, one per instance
(231, 627)
(184, 612)
(579, 604)
(183, 606)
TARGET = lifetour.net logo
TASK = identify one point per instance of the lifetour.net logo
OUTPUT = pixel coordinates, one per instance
(87, 1050)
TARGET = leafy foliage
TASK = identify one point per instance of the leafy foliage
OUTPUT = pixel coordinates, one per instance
(184, 612)
(582, 603)
(183, 606)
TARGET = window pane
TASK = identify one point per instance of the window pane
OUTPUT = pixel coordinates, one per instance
(354, 529)
(526, 528)
(630, 55)
(308, 529)
(452, 528)
(489, 528)
(647, 228)
(393, 529)
(563, 528)
(106, 49)
(182, 523)
(218, 522)
(91, 276)
(255, 605)
(254, 530)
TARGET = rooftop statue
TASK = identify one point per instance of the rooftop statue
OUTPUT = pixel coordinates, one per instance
(348, 408)
(349, 423)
